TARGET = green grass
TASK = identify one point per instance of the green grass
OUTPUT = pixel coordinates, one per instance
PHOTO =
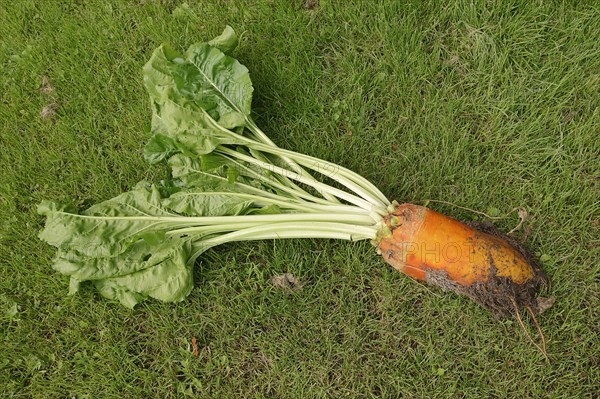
(484, 104)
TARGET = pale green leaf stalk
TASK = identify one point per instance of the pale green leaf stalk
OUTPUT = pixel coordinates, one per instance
(230, 183)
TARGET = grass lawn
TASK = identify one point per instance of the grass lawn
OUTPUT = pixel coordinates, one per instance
(488, 105)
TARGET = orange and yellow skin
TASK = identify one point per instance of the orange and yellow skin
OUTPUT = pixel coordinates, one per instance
(422, 241)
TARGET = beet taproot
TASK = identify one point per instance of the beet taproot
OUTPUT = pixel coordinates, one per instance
(478, 262)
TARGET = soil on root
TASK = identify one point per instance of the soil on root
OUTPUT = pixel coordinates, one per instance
(501, 295)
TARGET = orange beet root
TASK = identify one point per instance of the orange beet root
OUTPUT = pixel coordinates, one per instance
(490, 268)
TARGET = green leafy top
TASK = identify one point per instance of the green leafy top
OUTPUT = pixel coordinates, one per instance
(229, 183)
